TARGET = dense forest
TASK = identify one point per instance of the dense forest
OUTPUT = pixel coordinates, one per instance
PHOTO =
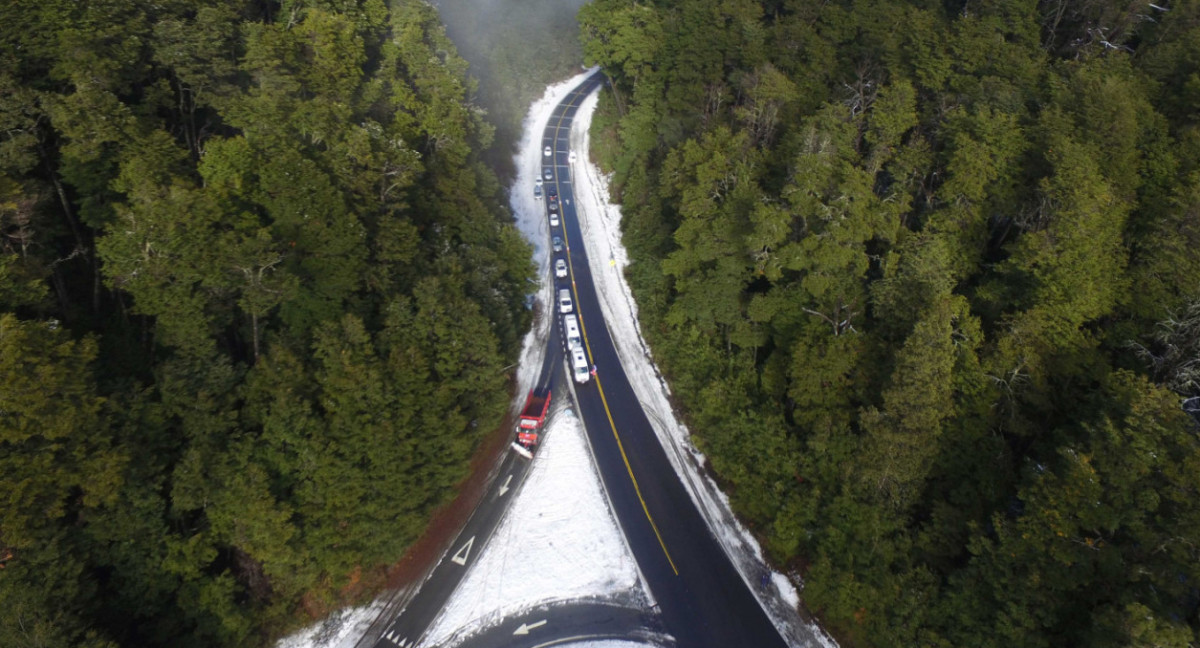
(925, 279)
(257, 300)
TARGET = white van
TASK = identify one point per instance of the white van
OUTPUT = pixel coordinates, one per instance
(579, 367)
(564, 301)
(571, 330)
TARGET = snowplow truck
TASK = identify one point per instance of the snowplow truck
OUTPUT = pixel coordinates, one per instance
(532, 417)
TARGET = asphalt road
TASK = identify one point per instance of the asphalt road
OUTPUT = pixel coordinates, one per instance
(702, 601)
(406, 627)
(702, 598)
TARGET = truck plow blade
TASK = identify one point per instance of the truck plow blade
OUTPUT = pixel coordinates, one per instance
(520, 449)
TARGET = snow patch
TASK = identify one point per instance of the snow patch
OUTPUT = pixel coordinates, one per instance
(558, 541)
(342, 629)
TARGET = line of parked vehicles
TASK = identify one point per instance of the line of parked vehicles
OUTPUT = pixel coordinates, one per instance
(537, 403)
(580, 370)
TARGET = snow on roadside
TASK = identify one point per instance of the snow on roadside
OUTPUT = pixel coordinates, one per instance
(530, 217)
(600, 221)
(578, 555)
(342, 629)
(558, 541)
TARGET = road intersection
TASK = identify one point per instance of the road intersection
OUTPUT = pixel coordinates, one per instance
(701, 598)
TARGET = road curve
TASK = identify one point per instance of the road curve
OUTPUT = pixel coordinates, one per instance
(703, 600)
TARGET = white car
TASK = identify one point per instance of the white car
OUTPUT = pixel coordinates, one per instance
(579, 367)
(553, 219)
(560, 268)
(546, 151)
(571, 157)
(571, 326)
(548, 173)
(564, 301)
(537, 182)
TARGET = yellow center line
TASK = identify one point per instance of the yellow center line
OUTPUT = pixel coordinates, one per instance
(588, 346)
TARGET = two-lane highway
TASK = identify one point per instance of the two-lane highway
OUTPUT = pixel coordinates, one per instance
(703, 599)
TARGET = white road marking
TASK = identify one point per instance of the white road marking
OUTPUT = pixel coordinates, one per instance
(526, 627)
(460, 556)
(504, 486)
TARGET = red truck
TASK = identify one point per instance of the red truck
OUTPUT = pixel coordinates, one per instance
(532, 418)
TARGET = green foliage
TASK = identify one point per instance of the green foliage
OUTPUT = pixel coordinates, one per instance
(257, 294)
(911, 270)
(56, 457)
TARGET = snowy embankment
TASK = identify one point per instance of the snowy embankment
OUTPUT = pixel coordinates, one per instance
(561, 511)
(558, 542)
(600, 221)
(342, 629)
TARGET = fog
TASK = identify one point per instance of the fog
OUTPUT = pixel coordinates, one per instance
(515, 48)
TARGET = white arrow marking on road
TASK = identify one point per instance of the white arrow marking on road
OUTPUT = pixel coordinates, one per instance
(504, 486)
(460, 556)
(526, 627)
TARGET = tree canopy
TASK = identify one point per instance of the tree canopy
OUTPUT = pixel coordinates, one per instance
(924, 279)
(257, 299)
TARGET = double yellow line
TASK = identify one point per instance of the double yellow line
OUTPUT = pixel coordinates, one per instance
(583, 329)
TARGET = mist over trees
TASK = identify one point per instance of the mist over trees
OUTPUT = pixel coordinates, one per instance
(924, 279)
(515, 48)
(257, 298)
